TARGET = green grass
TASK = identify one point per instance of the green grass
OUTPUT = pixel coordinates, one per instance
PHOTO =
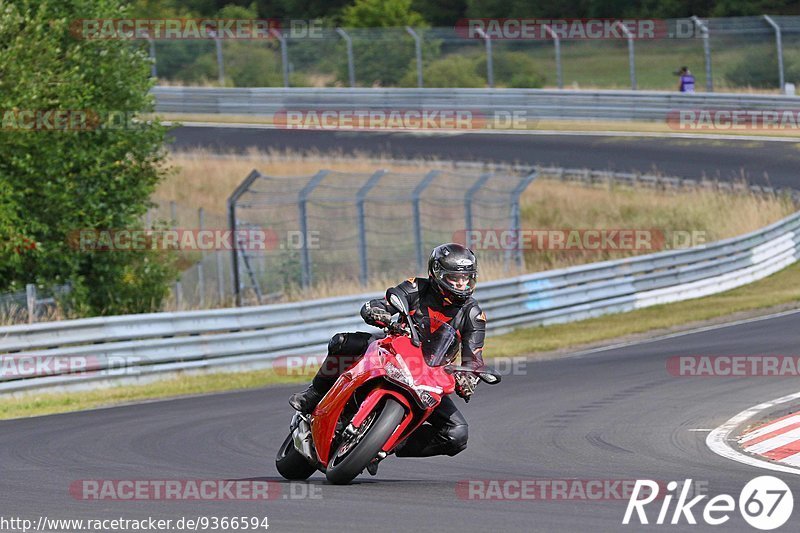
(781, 288)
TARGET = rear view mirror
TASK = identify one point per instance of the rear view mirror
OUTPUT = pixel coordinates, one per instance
(398, 303)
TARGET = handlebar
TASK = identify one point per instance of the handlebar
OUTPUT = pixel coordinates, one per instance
(486, 374)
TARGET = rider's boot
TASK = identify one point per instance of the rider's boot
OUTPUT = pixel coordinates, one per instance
(307, 400)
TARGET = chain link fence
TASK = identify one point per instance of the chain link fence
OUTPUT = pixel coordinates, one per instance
(335, 227)
(723, 53)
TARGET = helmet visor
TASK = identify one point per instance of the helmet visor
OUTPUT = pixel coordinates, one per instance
(460, 281)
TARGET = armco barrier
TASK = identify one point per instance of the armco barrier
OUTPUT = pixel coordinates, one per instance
(149, 344)
(534, 103)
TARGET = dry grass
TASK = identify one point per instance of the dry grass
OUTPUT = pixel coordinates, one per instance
(202, 179)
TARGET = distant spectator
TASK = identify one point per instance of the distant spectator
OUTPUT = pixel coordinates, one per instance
(687, 80)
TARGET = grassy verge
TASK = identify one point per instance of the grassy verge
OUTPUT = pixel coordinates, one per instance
(782, 288)
(621, 126)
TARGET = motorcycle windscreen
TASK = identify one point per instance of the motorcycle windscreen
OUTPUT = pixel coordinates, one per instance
(439, 340)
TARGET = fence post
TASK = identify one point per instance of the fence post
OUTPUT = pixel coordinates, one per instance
(631, 58)
(468, 203)
(516, 223)
(706, 52)
(361, 197)
(489, 64)
(220, 64)
(415, 197)
(200, 274)
(779, 46)
(351, 70)
(220, 277)
(557, 43)
(30, 296)
(284, 55)
(302, 199)
(152, 43)
(232, 224)
(418, 51)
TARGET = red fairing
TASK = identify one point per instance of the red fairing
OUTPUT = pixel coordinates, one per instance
(370, 372)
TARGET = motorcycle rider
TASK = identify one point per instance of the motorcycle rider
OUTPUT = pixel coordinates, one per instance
(445, 295)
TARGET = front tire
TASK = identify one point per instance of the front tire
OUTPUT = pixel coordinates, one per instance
(291, 464)
(350, 460)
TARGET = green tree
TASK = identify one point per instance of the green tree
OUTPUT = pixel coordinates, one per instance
(68, 179)
(381, 14)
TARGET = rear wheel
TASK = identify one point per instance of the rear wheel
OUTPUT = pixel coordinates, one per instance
(290, 463)
(356, 451)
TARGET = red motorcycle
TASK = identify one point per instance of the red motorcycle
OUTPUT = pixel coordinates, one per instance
(377, 403)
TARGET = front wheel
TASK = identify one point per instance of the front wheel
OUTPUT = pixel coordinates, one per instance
(354, 453)
(291, 464)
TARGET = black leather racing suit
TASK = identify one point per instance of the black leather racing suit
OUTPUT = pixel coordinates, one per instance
(446, 432)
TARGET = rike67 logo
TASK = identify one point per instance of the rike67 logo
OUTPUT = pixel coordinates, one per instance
(765, 503)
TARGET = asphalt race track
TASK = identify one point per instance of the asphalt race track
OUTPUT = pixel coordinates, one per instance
(760, 162)
(614, 415)
(609, 415)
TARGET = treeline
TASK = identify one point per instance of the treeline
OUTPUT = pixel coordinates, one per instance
(371, 13)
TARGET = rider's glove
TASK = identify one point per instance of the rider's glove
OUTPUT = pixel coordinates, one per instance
(465, 385)
(375, 316)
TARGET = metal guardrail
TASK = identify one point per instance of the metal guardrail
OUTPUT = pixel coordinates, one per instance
(88, 350)
(532, 103)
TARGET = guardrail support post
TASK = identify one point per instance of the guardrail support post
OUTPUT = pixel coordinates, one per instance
(418, 51)
(415, 197)
(516, 223)
(779, 47)
(631, 57)
(489, 64)
(557, 44)
(232, 224)
(302, 200)
(284, 55)
(351, 70)
(361, 197)
(706, 52)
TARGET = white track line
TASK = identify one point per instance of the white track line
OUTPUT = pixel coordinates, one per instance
(718, 439)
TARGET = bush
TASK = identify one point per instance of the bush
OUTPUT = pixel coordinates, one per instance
(513, 69)
(759, 68)
(451, 71)
(56, 182)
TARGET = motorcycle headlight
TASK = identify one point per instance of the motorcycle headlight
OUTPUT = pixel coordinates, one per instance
(398, 374)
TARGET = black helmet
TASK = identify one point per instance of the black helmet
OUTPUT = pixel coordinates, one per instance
(449, 266)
